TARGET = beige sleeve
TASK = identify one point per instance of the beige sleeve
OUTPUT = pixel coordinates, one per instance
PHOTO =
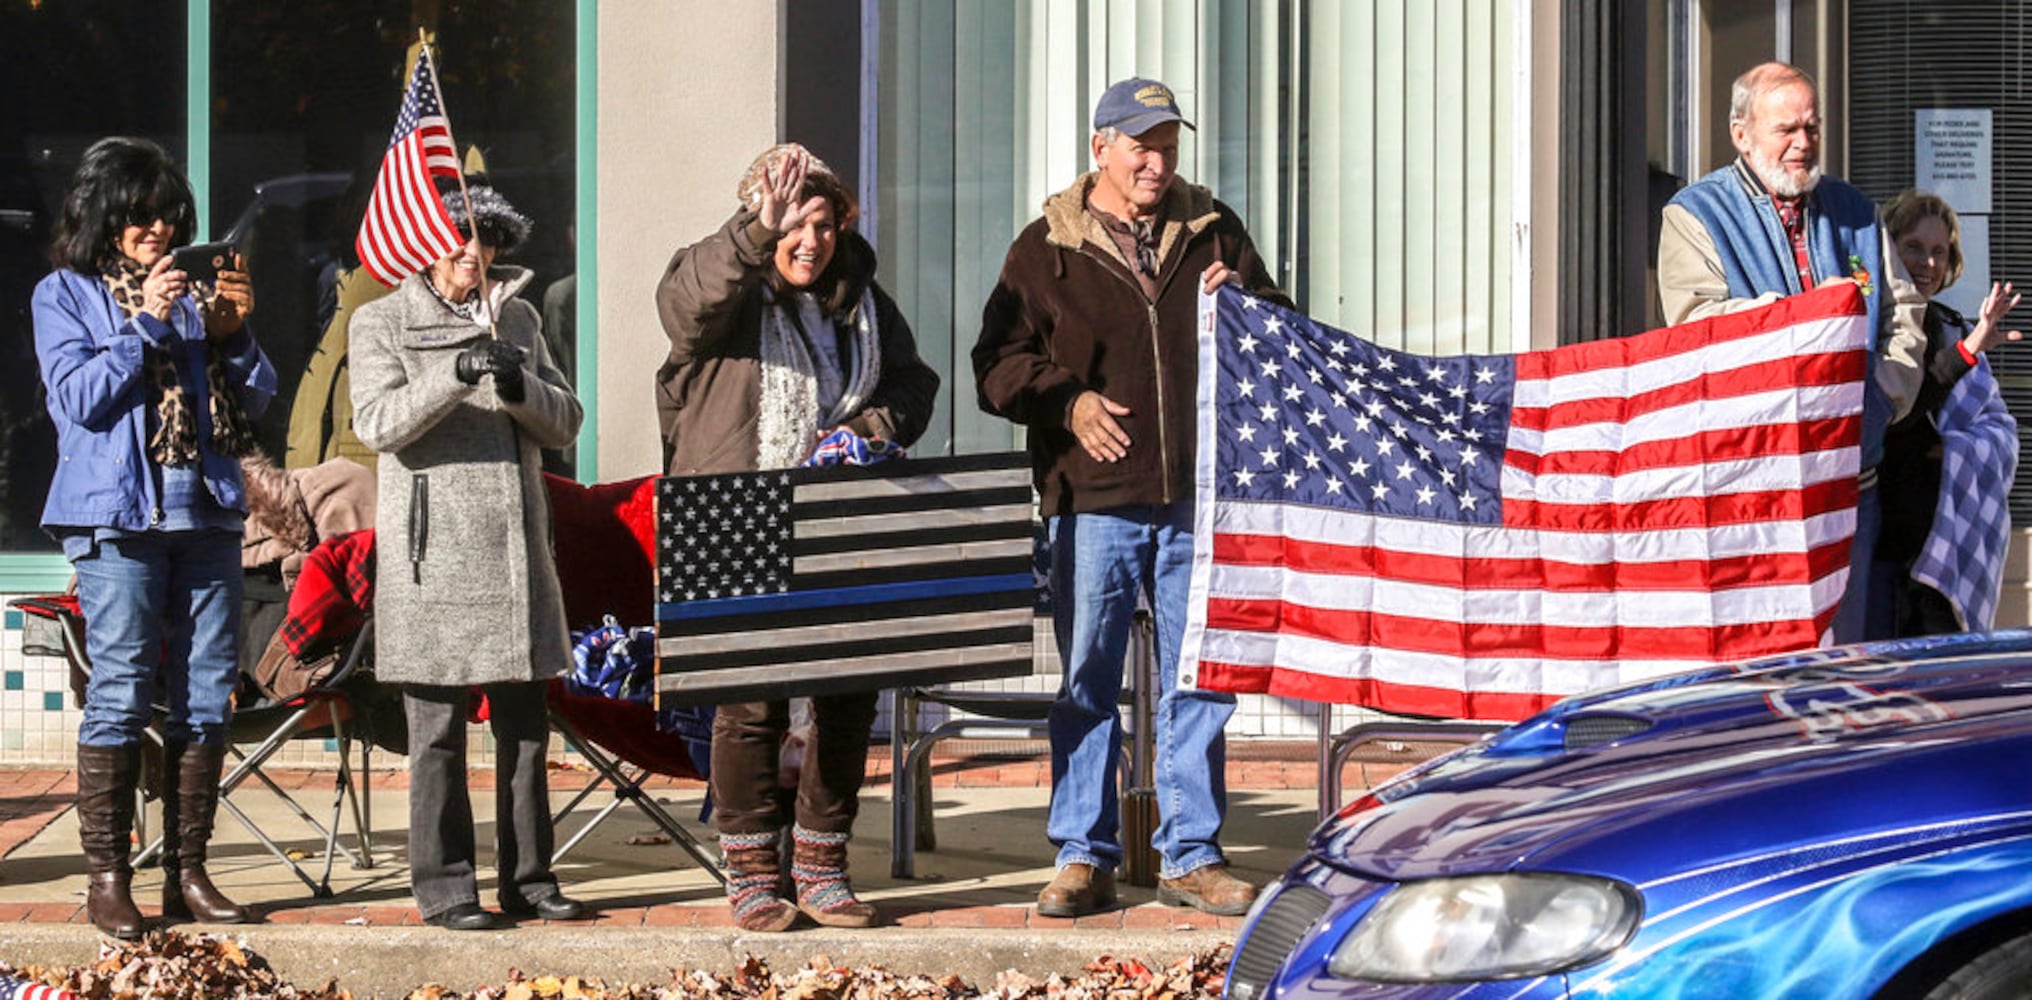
(1901, 334)
(1691, 284)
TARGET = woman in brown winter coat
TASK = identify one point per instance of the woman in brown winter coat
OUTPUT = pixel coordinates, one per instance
(779, 336)
(466, 592)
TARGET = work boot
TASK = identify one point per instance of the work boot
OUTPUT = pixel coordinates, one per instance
(819, 865)
(106, 781)
(1211, 889)
(190, 799)
(1077, 890)
(753, 866)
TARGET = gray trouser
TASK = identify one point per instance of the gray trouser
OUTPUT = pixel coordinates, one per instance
(441, 854)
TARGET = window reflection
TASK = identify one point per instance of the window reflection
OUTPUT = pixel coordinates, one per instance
(75, 72)
(303, 99)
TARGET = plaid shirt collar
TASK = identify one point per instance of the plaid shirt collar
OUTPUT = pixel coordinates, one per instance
(1792, 217)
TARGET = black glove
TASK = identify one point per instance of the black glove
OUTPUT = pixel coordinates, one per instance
(497, 358)
(508, 380)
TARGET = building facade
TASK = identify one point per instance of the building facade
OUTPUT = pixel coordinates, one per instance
(1439, 175)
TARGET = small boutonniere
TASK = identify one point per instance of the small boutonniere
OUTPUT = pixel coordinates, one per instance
(1860, 273)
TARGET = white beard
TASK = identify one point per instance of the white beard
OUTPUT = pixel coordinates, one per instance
(1774, 176)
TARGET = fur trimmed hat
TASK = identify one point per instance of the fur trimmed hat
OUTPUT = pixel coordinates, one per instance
(819, 180)
(500, 225)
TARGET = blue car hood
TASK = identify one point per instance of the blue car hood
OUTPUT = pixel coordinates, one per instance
(1811, 749)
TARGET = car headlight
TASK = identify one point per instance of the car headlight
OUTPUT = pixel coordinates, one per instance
(1506, 926)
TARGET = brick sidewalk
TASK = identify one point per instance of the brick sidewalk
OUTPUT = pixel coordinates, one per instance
(31, 798)
(1148, 916)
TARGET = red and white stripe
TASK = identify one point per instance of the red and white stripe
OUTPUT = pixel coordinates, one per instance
(1670, 500)
(407, 226)
(12, 988)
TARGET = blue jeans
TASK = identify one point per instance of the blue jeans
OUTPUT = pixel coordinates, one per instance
(1099, 563)
(162, 626)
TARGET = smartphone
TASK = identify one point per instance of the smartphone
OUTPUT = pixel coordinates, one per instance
(202, 262)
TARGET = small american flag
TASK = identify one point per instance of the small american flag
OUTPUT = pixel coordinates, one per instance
(822, 580)
(12, 988)
(1479, 536)
(407, 226)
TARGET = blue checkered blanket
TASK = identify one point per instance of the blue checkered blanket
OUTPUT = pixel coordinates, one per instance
(1964, 553)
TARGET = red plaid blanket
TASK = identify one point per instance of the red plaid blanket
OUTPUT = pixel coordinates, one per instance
(330, 600)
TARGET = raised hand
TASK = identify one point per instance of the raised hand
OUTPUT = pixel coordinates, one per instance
(780, 210)
(1988, 332)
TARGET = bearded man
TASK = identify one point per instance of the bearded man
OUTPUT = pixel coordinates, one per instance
(1771, 225)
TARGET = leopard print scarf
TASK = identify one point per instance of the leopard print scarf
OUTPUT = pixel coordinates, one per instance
(175, 441)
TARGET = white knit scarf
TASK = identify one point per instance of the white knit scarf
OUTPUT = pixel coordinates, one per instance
(790, 417)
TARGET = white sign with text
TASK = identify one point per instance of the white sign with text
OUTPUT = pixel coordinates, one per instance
(1951, 153)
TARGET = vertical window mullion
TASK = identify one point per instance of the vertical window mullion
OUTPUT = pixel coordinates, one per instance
(197, 125)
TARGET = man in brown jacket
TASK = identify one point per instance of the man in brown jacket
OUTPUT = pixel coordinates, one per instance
(1089, 339)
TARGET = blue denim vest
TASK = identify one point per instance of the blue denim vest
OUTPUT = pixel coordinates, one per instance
(1842, 237)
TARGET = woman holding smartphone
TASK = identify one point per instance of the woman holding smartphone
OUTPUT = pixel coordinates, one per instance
(153, 383)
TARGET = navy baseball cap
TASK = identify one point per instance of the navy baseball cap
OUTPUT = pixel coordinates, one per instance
(1136, 106)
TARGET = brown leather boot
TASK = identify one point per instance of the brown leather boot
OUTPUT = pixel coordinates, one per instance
(1212, 889)
(106, 781)
(190, 800)
(1076, 891)
(819, 865)
(753, 866)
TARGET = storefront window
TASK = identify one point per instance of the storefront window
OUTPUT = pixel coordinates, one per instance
(1371, 149)
(303, 100)
(75, 72)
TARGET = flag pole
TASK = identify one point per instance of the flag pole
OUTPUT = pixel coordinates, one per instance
(472, 218)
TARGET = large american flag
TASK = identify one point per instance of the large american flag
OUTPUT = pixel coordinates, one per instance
(816, 581)
(1479, 536)
(407, 226)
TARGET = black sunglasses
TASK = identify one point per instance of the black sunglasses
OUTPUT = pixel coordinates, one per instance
(493, 234)
(144, 215)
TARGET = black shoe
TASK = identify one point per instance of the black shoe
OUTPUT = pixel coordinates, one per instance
(464, 917)
(556, 906)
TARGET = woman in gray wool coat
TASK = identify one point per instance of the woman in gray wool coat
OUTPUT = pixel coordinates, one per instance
(466, 592)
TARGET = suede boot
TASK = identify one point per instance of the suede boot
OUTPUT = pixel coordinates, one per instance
(819, 865)
(107, 777)
(753, 867)
(190, 800)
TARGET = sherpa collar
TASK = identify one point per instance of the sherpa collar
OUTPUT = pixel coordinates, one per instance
(1188, 208)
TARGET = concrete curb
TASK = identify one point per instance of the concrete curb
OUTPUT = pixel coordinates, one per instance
(390, 961)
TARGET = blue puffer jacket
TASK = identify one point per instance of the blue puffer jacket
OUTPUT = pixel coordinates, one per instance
(95, 377)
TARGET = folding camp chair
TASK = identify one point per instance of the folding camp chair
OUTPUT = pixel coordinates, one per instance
(627, 751)
(61, 632)
(333, 707)
(606, 565)
(336, 707)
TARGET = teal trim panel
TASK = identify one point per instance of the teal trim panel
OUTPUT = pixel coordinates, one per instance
(587, 212)
(197, 123)
(34, 573)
